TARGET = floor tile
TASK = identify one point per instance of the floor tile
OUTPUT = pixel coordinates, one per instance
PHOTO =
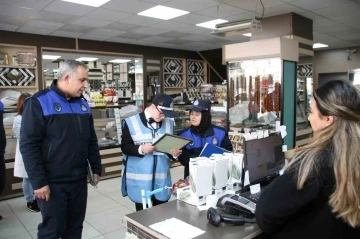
(11, 226)
(108, 221)
(100, 237)
(33, 234)
(99, 204)
(21, 236)
(109, 185)
(131, 206)
(17, 204)
(92, 192)
(118, 234)
(5, 209)
(89, 232)
(29, 219)
(119, 198)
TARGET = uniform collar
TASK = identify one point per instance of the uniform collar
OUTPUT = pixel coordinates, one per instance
(54, 87)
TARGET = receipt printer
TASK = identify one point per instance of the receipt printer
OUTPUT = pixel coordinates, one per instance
(232, 204)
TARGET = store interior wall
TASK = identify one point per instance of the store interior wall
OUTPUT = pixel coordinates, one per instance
(214, 58)
(334, 61)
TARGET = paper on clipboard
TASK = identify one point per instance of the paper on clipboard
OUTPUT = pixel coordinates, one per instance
(168, 142)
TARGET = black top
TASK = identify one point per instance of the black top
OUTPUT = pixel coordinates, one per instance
(285, 212)
(57, 137)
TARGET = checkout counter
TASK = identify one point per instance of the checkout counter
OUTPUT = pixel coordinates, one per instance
(138, 223)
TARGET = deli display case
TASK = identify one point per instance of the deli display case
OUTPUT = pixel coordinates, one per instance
(262, 85)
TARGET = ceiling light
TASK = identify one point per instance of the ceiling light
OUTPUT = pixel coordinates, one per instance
(119, 61)
(50, 57)
(87, 59)
(319, 45)
(247, 34)
(92, 3)
(164, 13)
(211, 24)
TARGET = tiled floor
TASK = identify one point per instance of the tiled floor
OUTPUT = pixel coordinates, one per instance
(104, 216)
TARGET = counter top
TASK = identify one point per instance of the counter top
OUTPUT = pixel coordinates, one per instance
(191, 215)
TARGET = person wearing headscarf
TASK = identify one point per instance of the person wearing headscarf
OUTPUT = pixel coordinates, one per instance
(201, 131)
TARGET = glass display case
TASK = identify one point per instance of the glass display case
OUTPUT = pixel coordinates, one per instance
(304, 89)
(254, 93)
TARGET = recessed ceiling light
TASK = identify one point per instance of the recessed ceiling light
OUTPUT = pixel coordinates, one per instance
(164, 13)
(136, 61)
(247, 34)
(211, 24)
(92, 3)
(87, 59)
(50, 57)
(319, 45)
(119, 61)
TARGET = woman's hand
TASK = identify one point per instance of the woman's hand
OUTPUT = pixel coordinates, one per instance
(176, 153)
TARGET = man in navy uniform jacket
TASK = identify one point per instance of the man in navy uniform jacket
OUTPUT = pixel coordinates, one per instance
(57, 138)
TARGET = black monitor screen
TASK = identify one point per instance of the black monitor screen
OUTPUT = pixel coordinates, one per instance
(263, 157)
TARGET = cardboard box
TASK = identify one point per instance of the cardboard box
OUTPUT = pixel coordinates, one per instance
(201, 172)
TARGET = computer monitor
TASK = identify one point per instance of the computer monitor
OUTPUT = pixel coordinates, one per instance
(263, 157)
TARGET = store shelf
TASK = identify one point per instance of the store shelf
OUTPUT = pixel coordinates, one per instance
(18, 87)
(15, 66)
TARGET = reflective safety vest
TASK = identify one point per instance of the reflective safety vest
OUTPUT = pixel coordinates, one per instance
(151, 171)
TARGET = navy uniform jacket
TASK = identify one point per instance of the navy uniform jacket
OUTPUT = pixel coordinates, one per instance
(57, 136)
(213, 135)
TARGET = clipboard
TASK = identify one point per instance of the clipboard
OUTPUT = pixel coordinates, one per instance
(167, 142)
(91, 175)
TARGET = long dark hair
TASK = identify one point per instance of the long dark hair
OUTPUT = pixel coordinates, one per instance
(20, 102)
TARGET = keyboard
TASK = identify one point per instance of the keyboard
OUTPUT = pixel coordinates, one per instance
(253, 197)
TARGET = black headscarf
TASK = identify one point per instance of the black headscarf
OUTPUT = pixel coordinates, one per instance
(205, 123)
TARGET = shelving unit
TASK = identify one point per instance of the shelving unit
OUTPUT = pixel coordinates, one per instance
(304, 76)
(174, 75)
(15, 77)
(196, 73)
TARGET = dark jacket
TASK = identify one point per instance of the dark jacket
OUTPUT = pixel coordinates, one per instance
(214, 135)
(285, 212)
(57, 136)
(2, 149)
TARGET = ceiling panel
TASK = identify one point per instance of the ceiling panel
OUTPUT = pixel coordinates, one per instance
(91, 22)
(311, 15)
(191, 5)
(195, 30)
(94, 37)
(217, 41)
(350, 37)
(339, 10)
(134, 36)
(141, 20)
(221, 11)
(68, 8)
(178, 41)
(156, 1)
(153, 39)
(76, 28)
(242, 16)
(252, 5)
(67, 34)
(131, 6)
(170, 25)
(193, 19)
(196, 38)
(107, 32)
(119, 40)
(8, 27)
(318, 4)
(10, 20)
(10, 10)
(281, 9)
(174, 34)
(33, 30)
(150, 31)
(106, 14)
(53, 17)
(34, 4)
(43, 24)
(122, 26)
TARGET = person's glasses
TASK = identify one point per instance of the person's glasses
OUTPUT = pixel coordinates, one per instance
(160, 113)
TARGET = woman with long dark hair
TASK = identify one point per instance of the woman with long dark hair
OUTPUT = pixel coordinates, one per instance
(318, 196)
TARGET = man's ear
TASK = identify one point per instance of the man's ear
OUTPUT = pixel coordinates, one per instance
(67, 78)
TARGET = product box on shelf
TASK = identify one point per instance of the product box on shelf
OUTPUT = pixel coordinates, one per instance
(201, 173)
